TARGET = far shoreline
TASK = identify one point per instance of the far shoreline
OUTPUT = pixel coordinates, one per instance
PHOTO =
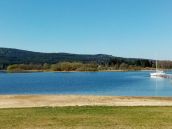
(30, 71)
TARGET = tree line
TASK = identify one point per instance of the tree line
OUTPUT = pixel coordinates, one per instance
(79, 66)
(62, 66)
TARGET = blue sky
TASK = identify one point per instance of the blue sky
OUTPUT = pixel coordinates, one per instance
(127, 28)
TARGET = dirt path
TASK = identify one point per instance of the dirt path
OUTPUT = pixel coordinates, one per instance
(17, 101)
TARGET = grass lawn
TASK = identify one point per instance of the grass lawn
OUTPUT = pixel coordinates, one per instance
(91, 117)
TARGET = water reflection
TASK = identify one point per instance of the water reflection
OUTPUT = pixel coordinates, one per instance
(161, 84)
(99, 83)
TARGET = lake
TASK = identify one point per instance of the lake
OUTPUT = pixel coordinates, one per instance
(85, 83)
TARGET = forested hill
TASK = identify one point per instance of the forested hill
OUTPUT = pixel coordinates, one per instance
(10, 56)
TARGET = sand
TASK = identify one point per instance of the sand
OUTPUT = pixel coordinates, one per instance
(20, 101)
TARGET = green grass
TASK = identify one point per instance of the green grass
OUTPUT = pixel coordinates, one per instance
(91, 117)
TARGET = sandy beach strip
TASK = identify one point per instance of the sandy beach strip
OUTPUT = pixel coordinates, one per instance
(20, 101)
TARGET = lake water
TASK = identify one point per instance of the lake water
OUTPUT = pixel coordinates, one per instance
(90, 83)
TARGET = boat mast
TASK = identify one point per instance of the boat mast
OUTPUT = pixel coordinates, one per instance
(156, 66)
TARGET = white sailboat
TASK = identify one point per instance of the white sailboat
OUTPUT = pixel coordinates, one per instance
(158, 73)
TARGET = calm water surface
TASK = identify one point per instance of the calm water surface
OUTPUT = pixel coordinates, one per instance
(91, 83)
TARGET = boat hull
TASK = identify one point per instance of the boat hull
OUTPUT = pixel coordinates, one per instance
(158, 74)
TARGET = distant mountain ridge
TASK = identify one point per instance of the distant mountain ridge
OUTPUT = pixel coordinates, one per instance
(10, 56)
(23, 56)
